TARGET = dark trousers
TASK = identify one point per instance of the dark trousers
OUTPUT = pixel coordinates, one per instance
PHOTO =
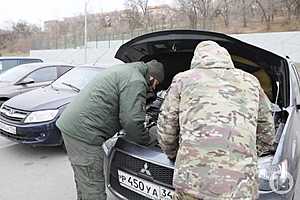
(87, 164)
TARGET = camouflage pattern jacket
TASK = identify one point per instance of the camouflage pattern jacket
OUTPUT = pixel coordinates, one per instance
(215, 119)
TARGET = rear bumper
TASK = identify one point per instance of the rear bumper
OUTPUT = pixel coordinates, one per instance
(45, 133)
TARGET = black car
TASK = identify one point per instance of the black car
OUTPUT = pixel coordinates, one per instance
(137, 172)
(30, 118)
(10, 62)
(27, 77)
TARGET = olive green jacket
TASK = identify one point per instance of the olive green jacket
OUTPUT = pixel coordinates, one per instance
(114, 100)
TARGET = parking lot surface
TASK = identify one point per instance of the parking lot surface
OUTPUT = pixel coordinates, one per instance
(40, 173)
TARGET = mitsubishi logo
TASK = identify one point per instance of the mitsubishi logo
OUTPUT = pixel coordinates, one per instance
(145, 170)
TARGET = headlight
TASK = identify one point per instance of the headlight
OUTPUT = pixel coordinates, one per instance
(274, 178)
(41, 116)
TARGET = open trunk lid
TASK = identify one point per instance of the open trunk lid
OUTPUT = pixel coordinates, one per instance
(149, 45)
(175, 48)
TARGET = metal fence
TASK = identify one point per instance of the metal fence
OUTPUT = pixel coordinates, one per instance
(63, 37)
(76, 40)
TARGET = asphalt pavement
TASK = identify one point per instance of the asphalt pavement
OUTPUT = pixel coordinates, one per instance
(39, 173)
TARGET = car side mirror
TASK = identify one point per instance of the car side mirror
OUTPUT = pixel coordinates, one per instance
(25, 81)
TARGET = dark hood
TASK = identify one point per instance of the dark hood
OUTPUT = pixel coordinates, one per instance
(41, 99)
(209, 54)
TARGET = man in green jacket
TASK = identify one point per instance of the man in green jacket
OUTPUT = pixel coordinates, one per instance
(114, 100)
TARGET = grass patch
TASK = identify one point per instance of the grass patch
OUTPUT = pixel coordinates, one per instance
(20, 53)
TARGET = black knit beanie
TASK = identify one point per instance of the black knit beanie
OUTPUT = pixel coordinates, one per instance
(156, 70)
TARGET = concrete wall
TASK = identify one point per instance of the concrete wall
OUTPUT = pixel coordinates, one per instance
(283, 43)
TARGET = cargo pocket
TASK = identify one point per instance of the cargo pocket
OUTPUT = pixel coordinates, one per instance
(88, 183)
(92, 166)
(95, 170)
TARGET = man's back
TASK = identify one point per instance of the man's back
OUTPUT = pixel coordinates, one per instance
(213, 111)
(115, 99)
(94, 113)
(218, 119)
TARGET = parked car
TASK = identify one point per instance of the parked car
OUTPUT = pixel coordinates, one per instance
(131, 168)
(26, 77)
(10, 62)
(30, 118)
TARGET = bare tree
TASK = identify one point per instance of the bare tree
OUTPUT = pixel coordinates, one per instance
(132, 15)
(19, 37)
(6, 37)
(244, 11)
(205, 8)
(135, 7)
(266, 9)
(175, 17)
(24, 29)
(190, 9)
(143, 5)
(288, 5)
(195, 10)
(297, 9)
(223, 9)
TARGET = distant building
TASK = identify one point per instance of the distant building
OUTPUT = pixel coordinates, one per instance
(51, 25)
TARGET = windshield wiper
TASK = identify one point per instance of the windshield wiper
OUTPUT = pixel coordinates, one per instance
(76, 89)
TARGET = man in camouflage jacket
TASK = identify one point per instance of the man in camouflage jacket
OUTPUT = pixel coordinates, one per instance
(215, 120)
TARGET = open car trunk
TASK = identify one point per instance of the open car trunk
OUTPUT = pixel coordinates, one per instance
(175, 50)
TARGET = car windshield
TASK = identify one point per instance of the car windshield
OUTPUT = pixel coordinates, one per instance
(76, 79)
(14, 74)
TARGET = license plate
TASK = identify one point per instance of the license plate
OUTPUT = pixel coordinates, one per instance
(8, 128)
(143, 187)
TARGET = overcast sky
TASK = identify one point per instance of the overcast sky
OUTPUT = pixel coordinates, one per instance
(37, 11)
